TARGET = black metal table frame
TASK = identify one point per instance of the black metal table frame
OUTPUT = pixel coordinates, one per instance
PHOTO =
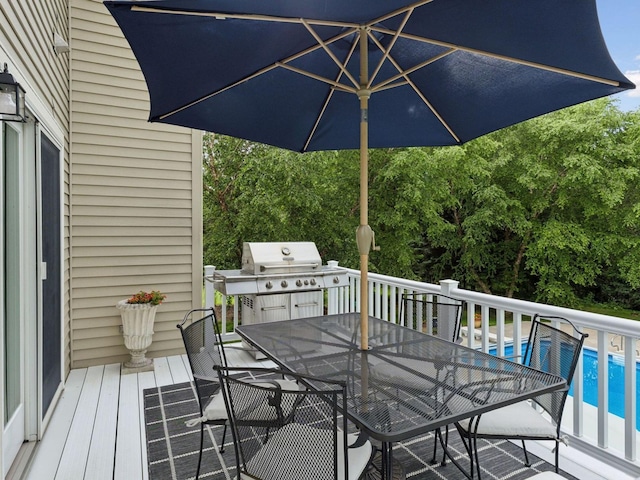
(395, 388)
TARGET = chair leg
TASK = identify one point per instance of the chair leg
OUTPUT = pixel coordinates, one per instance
(557, 455)
(436, 436)
(200, 454)
(446, 445)
(468, 439)
(477, 455)
(224, 435)
(527, 463)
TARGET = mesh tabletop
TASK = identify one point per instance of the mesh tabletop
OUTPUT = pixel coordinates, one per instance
(407, 383)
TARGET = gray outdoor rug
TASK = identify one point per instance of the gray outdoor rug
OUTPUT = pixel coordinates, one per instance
(172, 448)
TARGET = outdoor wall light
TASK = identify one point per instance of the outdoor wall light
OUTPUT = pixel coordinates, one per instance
(11, 98)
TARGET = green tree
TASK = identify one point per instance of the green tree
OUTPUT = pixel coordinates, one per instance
(547, 209)
(539, 209)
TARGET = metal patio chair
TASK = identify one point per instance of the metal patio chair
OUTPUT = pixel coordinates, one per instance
(205, 350)
(313, 443)
(550, 350)
(442, 317)
(420, 312)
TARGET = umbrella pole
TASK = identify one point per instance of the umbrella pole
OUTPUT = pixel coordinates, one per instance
(364, 234)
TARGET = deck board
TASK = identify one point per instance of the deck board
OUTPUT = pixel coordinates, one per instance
(76, 450)
(103, 440)
(178, 370)
(45, 463)
(128, 460)
(145, 380)
(162, 371)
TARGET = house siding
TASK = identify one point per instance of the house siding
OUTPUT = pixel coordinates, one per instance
(135, 211)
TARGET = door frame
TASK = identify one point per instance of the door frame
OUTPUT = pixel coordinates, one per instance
(13, 427)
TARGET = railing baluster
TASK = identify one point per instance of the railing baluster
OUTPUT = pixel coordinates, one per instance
(603, 390)
(500, 332)
(630, 400)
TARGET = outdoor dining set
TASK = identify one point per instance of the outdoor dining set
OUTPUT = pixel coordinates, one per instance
(333, 410)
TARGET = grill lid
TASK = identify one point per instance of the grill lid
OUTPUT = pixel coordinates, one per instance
(262, 258)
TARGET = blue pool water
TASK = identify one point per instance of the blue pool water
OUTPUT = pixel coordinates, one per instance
(616, 380)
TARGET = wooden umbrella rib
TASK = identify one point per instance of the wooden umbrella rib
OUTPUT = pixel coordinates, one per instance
(328, 81)
(497, 56)
(327, 100)
(405, 74)
(265, 70)
(217, 92)
(400, 11)
(328, 51)
(241, 16)
(389, 47)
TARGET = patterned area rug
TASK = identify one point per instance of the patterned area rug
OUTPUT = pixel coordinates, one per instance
(173, 448)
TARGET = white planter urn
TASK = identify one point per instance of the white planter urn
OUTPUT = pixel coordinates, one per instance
(137, 329)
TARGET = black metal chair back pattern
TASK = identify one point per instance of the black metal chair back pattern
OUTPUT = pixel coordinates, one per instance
(203, 345)
(309, 442)
(554, 351)
(550, 350)
(427, 313)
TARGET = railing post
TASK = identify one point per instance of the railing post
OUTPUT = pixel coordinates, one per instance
(209, 293)
(332, 293)
(446, 328)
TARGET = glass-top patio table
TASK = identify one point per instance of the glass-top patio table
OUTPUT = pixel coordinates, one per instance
(407, 383)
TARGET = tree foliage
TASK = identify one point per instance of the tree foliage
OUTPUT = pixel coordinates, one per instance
(548, 209)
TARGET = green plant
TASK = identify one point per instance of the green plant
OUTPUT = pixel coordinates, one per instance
(154, 297)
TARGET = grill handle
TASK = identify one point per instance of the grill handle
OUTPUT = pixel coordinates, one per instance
(278, 307)
(297, 265)
(309, 304)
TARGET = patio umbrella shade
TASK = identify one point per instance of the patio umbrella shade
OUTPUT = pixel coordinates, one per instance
(357, 74)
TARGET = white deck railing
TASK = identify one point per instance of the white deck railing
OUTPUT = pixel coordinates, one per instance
(591, 429)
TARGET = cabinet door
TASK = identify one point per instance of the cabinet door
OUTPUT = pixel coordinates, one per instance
(272, 308)
(306, 304)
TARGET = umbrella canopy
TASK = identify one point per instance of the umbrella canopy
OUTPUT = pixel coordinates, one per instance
(346, 74)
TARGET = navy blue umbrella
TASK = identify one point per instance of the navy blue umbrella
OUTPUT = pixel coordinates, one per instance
(346, 74)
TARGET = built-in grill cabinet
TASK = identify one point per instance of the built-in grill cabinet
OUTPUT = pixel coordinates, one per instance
(279, 281)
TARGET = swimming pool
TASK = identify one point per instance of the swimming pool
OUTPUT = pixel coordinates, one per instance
(590, 385)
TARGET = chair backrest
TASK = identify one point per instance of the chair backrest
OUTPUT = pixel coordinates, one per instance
(439, 315)
(203, 345)
(557, 352)
(273, 445)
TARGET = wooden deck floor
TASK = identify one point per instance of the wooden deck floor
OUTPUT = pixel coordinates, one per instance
(97, 430)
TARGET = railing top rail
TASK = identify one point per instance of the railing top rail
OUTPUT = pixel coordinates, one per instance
(596, 321)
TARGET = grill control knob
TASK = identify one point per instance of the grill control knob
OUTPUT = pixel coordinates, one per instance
(306, 282)
(313, 281)
(284, 284)
(269, 285)
(298, 283)
(336, 280)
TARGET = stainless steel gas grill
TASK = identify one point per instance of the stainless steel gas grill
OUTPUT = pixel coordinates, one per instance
(279, 281)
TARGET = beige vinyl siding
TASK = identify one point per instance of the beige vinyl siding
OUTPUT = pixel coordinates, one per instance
(135, 199)
(26, 35)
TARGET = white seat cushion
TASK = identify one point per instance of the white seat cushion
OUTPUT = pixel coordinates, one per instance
(546, 476)
(215, 410)
(293, 449)
(517, 420)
